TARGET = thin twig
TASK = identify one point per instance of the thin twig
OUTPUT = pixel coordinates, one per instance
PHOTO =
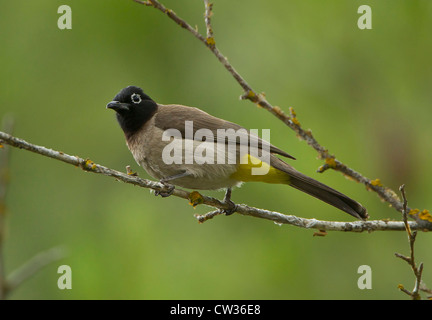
(291, 120)
(31, 267)
(209, 215)
(418, 271)
(426, 289)
(207, 17)
(279, 218)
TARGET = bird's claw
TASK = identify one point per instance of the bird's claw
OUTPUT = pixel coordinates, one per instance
(232, 208)
(165, 193)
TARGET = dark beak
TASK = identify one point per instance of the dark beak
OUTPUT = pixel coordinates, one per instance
(118, 106)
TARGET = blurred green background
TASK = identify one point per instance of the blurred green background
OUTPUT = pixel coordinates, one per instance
(366, 94)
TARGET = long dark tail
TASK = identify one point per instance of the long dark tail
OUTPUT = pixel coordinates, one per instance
(319, 190)
(328, 195)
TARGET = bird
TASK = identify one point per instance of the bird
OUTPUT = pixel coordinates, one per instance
(179, 145)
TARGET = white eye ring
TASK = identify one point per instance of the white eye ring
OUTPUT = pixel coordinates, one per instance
(136, 98)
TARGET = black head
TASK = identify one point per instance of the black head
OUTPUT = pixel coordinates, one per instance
(133, 109)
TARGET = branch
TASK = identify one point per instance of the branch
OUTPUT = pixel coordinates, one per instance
(31, 267)
(196, 198)
(418, 271)
(386, 194)
(42, 259)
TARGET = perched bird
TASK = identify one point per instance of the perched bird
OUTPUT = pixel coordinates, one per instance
(187, 147)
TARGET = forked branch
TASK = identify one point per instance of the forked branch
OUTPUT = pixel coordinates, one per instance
(291, 120)
(417, 269)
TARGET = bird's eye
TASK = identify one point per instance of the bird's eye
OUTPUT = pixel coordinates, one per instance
(136, 98)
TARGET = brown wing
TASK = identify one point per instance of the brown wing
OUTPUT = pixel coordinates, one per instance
(174, 117)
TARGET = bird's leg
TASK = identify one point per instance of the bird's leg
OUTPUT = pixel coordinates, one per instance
(227, 200)
(170, 188)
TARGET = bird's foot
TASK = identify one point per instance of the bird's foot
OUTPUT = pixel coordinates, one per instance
(227, 200)
(165, 193)
(232, 208)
